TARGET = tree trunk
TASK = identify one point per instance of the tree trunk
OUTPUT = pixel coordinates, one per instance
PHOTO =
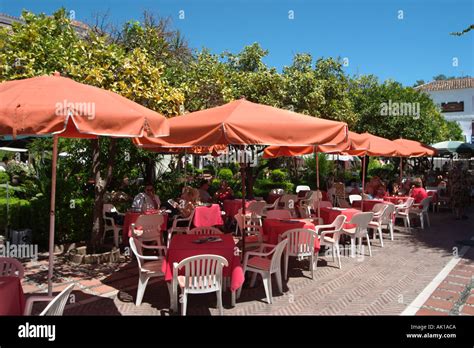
(149, 170)
(100, 188)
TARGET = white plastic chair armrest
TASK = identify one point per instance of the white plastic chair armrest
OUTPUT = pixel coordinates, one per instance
(143, 257)
(32, 299)
(327, 232)
(318, 227)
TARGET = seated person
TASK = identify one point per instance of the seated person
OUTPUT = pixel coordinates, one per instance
(204, 195)
(224, 192)
(353, 189)
(417, 191)
(147, 200)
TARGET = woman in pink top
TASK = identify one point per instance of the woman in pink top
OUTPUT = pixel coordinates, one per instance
(417, 191)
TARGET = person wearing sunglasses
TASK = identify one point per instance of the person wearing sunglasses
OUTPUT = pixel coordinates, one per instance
(146, 201)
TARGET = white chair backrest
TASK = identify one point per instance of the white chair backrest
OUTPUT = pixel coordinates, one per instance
(278, 214)
(353, 198)
(322, 204)
(276, 257)
(379, 209)
(109, 208)
(289, 201)
(425, 203)
(388, 213)
(257, 207)
(409, 202)
(151, 227)
(249, 224)
(10, 267)
(302, 188)
(204, 231)
(202, 273)
(362, 220)
(57, 305)
(339, 222)
(300, 242)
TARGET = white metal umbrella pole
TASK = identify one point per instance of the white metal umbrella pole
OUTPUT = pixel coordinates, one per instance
(52, 215)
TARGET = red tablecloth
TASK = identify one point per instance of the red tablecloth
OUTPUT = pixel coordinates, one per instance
(273, 228)
(396, 199)
(368, 204)
(207, 216)
(132, 217)
(232, 206)
(329, 215)
(12, 299)
(182, 246)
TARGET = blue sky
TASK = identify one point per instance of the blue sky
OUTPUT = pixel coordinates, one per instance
(367, 32)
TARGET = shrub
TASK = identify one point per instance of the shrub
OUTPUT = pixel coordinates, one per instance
(225, 174)
(278, 175)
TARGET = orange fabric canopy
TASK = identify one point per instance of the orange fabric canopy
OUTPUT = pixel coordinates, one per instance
(241, 122)
(355, 141)
(416, 148)
(380, 147)
(48, 105)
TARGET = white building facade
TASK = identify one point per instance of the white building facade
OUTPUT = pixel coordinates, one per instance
(455, 98)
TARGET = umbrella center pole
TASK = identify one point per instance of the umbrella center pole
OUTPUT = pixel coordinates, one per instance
(243, 170)
(52, 215)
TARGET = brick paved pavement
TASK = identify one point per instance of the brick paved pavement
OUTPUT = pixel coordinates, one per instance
(384, 284)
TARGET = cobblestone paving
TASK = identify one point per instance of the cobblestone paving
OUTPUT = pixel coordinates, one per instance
(384, 284)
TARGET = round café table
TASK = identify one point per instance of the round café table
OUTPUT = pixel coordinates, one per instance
(273, 228)
(396, 199)
(182, 246)
(12, 299)
(207, 216)
(368, 204)
(231, 207)
(329, 215)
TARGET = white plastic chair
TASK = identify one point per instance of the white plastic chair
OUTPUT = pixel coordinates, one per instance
(288, 202)
(150, 228)
(250, 227)
(361, 220)
(202, 274)
(335, 229)
(56, 304)
(421, 210)
(109, 223)
(302, 188)
(278, 214)
(402, 211)
(388, 217)
(376, 223)
(306, 205)
(353, 198)
(186, 226)
(205, 231)
(272, 206)
(300, 245)
(10, 267)
(256, 207)
(147, 270)
(259, 263)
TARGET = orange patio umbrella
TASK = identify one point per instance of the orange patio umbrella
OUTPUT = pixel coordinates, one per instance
(242, 122)
(355, 142)
(60, 107)
(416, 148)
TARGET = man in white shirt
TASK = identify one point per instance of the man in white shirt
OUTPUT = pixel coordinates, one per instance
(147, 200)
